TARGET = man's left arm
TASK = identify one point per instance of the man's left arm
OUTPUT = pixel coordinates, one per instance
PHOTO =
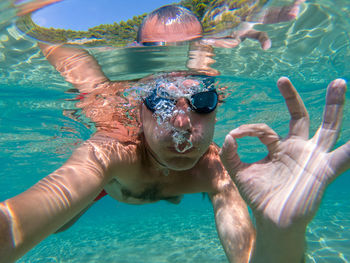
(76, 65)
(285, 189)
(233, 223)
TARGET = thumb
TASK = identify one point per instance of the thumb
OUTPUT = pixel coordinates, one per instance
(229, 155)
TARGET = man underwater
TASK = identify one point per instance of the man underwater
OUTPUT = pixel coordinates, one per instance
(283, 190)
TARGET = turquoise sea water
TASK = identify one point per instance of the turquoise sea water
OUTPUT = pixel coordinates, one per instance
(36, 138)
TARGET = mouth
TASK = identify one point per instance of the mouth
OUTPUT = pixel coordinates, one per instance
(182, 141)
(182, 148)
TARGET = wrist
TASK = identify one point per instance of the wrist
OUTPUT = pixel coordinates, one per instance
(279, 244)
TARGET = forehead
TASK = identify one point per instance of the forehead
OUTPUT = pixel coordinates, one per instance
(180, 85)
(179, 82)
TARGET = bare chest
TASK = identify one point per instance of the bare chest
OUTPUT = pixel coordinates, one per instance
(141, 186)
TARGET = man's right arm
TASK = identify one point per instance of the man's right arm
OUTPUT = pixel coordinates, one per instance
(31, 216)
(76, 65)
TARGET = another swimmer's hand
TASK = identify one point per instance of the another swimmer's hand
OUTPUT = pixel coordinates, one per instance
(245, 30)
(260, 36)
(285, 189)
(237, 38)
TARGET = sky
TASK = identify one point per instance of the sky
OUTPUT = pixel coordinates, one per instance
(84, 14)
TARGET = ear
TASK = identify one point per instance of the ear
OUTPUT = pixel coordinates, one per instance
(140, 109)
(141, 116)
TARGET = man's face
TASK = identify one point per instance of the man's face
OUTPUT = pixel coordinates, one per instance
(175, 133)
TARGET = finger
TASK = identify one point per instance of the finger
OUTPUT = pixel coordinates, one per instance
(261, 36)
(221, 42)
(264, 40)
(265, 43)
(229, 156)
(263, 132)
(299, 122)
(340, 160)
(327, 134)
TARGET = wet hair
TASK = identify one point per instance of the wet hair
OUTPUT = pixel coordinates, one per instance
(166, 13)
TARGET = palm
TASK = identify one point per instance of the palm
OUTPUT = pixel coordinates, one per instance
(289, 183)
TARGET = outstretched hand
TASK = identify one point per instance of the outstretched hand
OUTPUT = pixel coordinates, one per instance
(288, 184)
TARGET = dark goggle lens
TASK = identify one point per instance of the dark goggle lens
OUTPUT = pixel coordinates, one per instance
(204, 102)
(152, 102)
(153, 44)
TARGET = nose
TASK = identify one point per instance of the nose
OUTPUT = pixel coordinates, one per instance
(181, 119)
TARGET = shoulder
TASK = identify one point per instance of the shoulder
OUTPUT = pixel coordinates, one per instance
(113, 112)
(110, 151)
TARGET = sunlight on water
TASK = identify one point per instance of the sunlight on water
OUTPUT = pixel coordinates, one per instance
(41, 125)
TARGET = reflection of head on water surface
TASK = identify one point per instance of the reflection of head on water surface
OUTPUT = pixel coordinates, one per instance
(169, 23)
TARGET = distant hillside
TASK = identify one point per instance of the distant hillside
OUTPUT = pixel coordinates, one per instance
(215, 15)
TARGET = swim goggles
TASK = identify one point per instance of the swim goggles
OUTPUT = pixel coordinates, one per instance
(200, 102)
(153, 44)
